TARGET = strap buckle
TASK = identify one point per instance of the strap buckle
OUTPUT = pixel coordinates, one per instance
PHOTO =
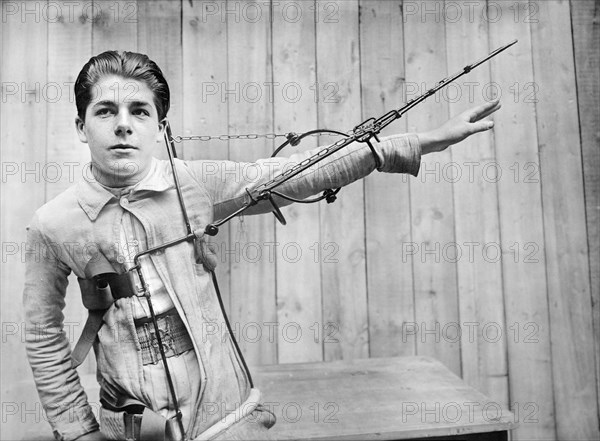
(132, 425)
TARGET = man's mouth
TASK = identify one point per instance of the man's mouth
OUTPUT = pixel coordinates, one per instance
(123, 147)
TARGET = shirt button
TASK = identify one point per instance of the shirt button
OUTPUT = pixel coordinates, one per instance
(124, 201)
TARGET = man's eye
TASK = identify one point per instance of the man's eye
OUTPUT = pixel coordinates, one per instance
(141, 112)
(103, 112)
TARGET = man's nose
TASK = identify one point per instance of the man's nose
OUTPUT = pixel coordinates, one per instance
(123, 124)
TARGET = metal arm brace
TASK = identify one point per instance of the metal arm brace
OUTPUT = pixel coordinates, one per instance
(364, 132)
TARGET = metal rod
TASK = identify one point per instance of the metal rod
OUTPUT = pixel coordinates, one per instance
(376, 126)
(161, 349)
(172, 152)
(362, 133)
(190, 237)
(146, 291)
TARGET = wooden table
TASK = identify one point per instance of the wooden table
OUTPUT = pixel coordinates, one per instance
(378, 399)
(372, 399)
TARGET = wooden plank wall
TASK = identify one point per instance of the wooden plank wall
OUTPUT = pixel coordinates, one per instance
(489, 260)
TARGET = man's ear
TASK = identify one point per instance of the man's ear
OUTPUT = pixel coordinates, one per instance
(80, 126)
(162, 124)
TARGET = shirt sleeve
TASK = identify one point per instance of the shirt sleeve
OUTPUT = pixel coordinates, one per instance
(48, 350)
(228, 182)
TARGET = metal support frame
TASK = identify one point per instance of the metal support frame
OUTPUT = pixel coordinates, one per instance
(362, 133)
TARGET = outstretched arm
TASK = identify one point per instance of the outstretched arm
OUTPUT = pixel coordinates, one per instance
(458, 128)
(227, 182)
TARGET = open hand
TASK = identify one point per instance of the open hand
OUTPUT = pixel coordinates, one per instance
(458, 128)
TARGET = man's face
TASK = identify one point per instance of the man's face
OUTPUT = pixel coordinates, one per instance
(121, 128)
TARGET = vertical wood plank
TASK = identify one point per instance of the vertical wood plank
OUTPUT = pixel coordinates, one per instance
(586, 34)
(114, 25)
(64, 148)
(563, 202)
(521, 226)
(432, 211)
(204, 66)
(299, 250)
(250, 111)
(64, 63)
(204, 53)
(159, 37)
(23, 123)
(387, 202)
(342, 223)
(483, 357)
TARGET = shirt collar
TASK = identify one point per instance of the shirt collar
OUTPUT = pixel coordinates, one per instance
(93, 196)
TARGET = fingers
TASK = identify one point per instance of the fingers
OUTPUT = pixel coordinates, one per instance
(481, 126)
(482, 111)
(491, 110)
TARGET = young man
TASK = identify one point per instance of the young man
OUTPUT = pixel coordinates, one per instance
(131, 205)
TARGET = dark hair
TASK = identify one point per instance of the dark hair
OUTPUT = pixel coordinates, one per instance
(127, 65)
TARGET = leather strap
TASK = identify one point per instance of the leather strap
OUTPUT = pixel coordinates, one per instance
(153, 427)
(88, 336)
(132, 423)
(98, 293)
(120, 285)
(136, 422)
(173, 432)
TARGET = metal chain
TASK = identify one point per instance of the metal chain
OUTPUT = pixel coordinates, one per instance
(229, 137)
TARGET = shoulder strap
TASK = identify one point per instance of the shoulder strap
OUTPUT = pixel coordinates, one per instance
(88, 336)
(98, 293)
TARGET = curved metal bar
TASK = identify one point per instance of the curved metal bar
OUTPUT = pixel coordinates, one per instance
(329, 194)
(294, 139)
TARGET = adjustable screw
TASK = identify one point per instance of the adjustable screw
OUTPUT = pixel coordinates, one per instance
(293, 138)
(330, 196)
(211, 230)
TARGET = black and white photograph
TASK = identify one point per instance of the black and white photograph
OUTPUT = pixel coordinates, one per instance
(300, 220)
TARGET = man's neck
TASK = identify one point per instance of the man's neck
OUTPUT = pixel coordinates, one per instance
(118, 183)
